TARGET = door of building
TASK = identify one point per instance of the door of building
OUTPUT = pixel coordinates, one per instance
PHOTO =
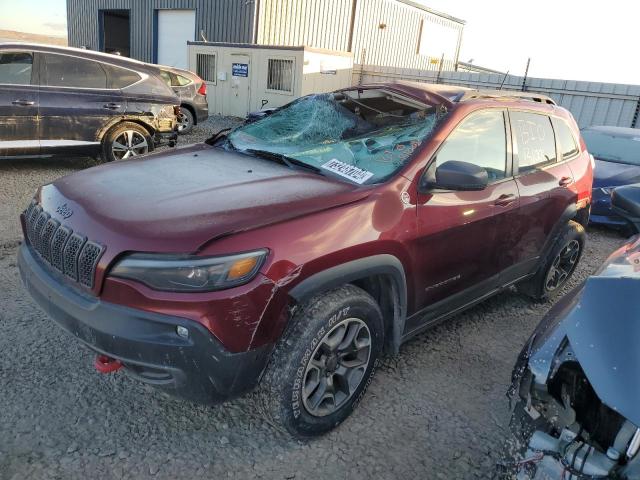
(175, 29)
(236, 100)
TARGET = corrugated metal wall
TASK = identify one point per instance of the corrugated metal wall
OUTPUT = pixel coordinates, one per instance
(591, 103)
(398, 42)
(326, 24)
(314, 23)
(221, 21)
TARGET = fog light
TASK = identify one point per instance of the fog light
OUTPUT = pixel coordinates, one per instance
(182, 331)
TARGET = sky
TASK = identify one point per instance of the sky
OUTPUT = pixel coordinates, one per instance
(47, 17)
(566, 39)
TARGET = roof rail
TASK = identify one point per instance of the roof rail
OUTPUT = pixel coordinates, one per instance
(506, 94)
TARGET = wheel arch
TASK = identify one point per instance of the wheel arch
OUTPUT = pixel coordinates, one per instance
(382, 276)
(191, 109)
(113, 124)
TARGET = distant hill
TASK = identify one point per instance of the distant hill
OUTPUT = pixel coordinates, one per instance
(12, 36)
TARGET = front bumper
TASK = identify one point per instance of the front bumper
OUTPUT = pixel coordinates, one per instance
(197, 368)
(602, 213)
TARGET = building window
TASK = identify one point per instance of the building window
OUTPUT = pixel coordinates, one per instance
(206, 67)
(280, 75)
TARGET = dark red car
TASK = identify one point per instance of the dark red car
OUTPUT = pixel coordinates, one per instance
(293, 251)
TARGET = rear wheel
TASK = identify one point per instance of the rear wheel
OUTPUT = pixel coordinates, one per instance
(126, 140)
(323, 364)
(185, 121)
(559, 264)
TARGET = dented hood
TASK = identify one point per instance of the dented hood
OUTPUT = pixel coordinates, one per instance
(178, 201)
(601, 321)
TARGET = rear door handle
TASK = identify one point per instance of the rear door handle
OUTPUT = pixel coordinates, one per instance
(565, 181)
(112, 106)
(24, 103)
(505, 200)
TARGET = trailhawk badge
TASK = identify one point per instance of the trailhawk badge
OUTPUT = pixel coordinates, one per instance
(345, 170)
(64, 211)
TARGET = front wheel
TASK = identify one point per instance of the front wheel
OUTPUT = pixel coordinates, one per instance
(126, 140)
(323, 364)
(559, 264)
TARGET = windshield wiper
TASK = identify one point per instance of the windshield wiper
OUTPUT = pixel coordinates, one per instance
(285, 160)
(217, 136)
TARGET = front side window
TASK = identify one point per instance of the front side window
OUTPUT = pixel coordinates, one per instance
(15, 68)
(535, 141)
(479, 139)
(66, 71)
(364, 137)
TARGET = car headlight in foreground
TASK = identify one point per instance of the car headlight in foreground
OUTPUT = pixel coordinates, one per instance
(190, 273)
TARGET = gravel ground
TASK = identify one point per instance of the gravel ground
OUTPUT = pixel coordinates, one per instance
(438, 410)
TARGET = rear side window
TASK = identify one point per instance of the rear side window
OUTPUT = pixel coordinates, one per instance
(15, 68)
(534, 138)
(120, 77)
(479, 139)
(181, 81)
(568, 144)
(166, 76)
(66, 71)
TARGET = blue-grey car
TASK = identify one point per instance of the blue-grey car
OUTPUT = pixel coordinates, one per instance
(617, 162)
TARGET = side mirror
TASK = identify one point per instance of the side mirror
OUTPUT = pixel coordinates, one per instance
(456, 175)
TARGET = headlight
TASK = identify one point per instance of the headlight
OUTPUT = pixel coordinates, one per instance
(190, 273)
(607, 190)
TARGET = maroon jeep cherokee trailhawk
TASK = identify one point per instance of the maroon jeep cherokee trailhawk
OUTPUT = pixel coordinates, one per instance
(293, 251)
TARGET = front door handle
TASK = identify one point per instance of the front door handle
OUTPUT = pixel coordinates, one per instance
(505, 200)
(24, 103)
(565, 181)
(112, 106)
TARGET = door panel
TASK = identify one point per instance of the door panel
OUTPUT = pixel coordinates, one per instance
(75, 105)
(459, 231)
(458, 234)
(544, 184)
(18, 104)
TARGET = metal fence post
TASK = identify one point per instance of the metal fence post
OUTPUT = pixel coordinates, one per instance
(526, 72)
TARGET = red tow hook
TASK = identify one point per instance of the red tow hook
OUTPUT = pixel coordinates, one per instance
(105, 364)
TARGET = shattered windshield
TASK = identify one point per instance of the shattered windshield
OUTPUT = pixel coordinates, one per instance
(364, 136)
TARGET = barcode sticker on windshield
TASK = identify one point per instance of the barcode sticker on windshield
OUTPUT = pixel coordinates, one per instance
(355, 174)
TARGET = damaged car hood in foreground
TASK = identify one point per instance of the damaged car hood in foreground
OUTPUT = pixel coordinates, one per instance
(578, 378)
(601, 321)
(150, 203)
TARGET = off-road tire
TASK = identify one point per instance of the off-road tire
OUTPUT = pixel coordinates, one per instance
(115, 132)
(281, 390)
(535, 287)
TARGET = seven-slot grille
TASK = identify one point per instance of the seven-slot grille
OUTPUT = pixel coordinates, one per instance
(65, 250)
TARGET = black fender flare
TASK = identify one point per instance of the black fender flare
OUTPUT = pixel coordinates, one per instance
(383, 264)
(569, 214)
